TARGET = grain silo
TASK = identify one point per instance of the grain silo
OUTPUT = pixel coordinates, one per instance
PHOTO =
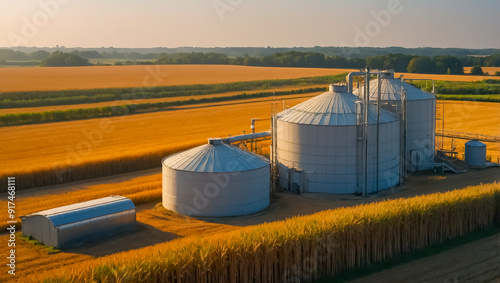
(80, 223)
(216, 179)
(319, 146)
(420, 124)
(475, 153)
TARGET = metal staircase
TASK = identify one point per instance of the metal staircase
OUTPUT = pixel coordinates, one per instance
(447, 163)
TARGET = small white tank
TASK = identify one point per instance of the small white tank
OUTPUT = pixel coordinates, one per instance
(475, 153)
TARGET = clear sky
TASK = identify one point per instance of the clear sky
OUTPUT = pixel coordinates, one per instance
(277, 23)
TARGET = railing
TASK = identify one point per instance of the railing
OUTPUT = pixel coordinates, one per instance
(468, 136)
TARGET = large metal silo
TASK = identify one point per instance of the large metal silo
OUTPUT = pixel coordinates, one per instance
(216, 179)
(318, 146)
(420, 118)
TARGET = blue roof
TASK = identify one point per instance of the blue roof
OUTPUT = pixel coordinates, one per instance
(86, 210)
(215, 158)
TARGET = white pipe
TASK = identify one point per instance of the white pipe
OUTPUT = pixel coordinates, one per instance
(350, 77)
(230, 140)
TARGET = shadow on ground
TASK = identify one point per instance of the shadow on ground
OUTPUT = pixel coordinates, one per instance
(145, 235)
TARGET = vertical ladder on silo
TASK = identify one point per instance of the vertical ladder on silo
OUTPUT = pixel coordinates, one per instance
(440, 125)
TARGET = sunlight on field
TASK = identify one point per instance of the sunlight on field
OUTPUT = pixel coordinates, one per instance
(151, 100)
(490, 70)
(461, 78)
(460, 211)
(471, 117)
(78, 142)
(64, 78)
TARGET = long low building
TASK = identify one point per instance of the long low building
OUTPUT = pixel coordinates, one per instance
(80, 223)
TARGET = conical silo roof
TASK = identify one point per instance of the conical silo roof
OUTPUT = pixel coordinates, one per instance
(335, 107)
(215, 157)
(391, 89)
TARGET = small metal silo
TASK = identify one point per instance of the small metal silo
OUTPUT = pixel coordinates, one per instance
(475, 153)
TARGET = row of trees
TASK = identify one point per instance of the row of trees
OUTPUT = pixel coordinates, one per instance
(398, 62)
(435, 65)
(61, 59)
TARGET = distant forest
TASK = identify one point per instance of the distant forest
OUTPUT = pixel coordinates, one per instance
(414, 60)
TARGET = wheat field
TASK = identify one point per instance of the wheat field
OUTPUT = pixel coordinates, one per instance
(101, 147)
(127, 143)
(460, 78)
(490, 70)
(470, 117)
(138, 101)
(65, 78)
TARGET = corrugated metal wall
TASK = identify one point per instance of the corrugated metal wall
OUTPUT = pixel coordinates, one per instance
(327, 156)
(93, 229)
(216, 194)
(421, 129)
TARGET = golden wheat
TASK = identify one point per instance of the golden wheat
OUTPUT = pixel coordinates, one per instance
(303, 248)
(65, 78)
(46, 154)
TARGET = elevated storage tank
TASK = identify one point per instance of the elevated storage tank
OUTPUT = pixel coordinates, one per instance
(318, 149)
(215, 179)
(420, 117)
(475, 153)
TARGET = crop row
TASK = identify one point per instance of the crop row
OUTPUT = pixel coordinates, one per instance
(457, 87)
(303, 248)
(109, 111)
(51, 98)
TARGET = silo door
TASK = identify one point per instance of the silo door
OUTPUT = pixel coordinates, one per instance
(414, 160)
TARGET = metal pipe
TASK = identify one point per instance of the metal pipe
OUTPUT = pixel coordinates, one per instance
(359, 145)
(252, 127)
(365, 129)
(350, 77)
(379, 94)
(230, 140)
(404, 156)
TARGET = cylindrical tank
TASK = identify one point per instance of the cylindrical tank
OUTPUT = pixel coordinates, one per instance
(215, 179)
(318, 146)
(475, 153)
(420, 117)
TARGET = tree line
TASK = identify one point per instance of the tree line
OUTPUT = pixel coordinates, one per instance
(441, 64)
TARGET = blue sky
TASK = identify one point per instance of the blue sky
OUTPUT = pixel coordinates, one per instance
(277, 23)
